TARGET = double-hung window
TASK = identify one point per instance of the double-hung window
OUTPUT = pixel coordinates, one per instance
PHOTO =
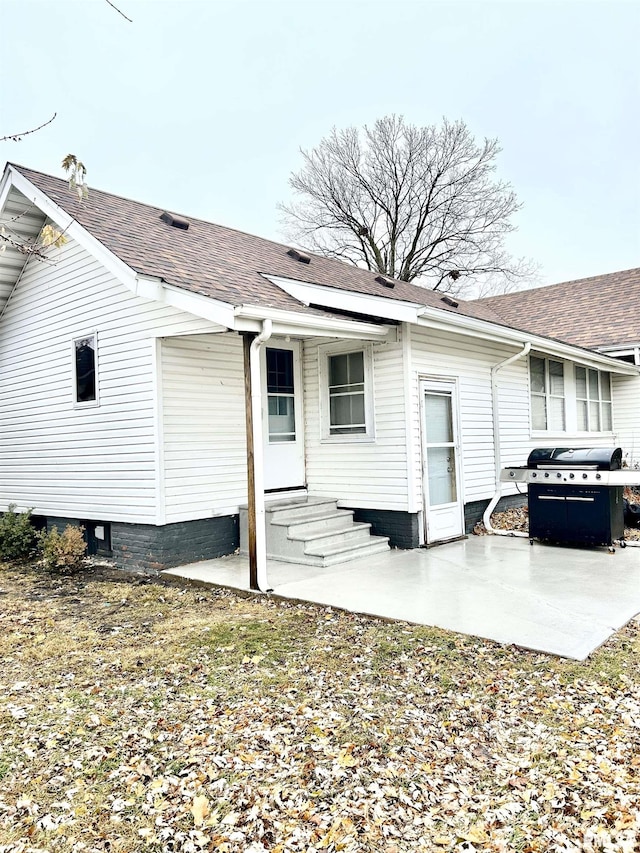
(547, 394)
(593, 400)
(347, 393)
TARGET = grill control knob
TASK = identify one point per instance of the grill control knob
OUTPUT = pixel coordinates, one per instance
(559, 475)
(571, 476)
(534, 475)
(512, 473)
(546, 474)
(598, 476)
(584, 476)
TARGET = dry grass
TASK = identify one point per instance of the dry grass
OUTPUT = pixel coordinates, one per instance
(140, 716)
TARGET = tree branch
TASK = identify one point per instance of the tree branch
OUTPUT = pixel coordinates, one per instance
(17, 137)
(113, 6)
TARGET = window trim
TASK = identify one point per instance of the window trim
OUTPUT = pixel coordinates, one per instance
(345, 348)
(85, 404)
(546, 395)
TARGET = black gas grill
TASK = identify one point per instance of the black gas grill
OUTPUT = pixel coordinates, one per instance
(575, 494)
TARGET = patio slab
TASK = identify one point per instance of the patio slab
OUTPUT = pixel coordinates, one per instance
(560, 600)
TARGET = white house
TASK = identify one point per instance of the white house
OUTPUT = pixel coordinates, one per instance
(158, 372)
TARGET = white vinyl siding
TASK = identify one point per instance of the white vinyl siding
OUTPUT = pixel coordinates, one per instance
(58, 458)
(438, 355)
(367, 474)
(203, 426)
(626, 405)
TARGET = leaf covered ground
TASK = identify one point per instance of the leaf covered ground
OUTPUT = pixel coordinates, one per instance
(138, 716)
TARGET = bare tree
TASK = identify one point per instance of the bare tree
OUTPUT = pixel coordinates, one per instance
(415, 203)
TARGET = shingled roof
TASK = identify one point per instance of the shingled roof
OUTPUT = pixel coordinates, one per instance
(598, 312)
(220, 262)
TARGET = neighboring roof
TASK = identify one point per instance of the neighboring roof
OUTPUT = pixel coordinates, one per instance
(220, 262)
(598, 312)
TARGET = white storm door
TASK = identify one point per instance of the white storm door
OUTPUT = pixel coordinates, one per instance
(282, 421)
(444, 514)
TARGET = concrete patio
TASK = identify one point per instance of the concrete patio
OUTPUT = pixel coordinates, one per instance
(560, 600)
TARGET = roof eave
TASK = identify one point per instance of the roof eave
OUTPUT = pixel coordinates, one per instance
(435, 318)
(70, 227)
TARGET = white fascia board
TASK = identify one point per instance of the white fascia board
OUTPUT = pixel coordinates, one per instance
(156, 289)
(249, 317)
(5, 187)
(68, 225)
(432, 318)
(621, 349)
(347, 300)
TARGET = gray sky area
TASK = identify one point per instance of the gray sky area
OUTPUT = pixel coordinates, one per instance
(202, 106)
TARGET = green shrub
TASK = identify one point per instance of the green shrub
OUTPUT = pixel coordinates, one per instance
(18, 537)
(64, 552)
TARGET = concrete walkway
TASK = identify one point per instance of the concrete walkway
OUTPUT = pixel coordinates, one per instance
(560, 600)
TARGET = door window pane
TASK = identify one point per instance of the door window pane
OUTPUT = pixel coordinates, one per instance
(279, 371)
(281, 406)
(441, 473)
(439, 422)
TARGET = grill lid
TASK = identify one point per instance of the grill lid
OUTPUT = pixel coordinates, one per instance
(594, 458)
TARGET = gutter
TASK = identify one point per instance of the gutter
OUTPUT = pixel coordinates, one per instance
(486, 518)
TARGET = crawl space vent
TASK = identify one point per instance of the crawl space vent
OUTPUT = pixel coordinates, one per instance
(175, 221)
(299, 256)
(385, 282)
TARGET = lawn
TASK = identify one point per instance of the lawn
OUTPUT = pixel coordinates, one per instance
(141, 716)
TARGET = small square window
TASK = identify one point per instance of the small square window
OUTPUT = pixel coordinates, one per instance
(85, 369)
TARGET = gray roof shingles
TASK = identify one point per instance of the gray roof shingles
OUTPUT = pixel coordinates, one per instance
(220, 262)
(601, 311)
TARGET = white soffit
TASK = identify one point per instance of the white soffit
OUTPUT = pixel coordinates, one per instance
(347, 300)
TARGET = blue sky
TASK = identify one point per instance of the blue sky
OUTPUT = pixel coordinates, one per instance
(202, 107)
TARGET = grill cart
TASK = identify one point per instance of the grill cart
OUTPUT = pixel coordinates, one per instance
(575, 494)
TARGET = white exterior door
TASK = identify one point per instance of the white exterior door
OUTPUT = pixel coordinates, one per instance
(444, 516)
(282, 421)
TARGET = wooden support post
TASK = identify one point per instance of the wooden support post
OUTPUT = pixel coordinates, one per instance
(247, 339)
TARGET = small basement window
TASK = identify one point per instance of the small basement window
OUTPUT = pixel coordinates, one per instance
(85, 369)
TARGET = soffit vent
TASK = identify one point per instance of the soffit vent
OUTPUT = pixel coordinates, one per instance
(175, 221)
(299, 256)
(385, 282)
(449, 300)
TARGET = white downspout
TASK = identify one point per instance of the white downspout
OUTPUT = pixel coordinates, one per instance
(258, 453)
(486, 518)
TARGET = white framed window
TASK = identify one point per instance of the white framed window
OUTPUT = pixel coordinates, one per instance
(346, 377)
(546, 382)
(85, 369)
(593, 400)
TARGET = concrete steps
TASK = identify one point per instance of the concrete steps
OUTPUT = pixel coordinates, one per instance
(314, 532)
